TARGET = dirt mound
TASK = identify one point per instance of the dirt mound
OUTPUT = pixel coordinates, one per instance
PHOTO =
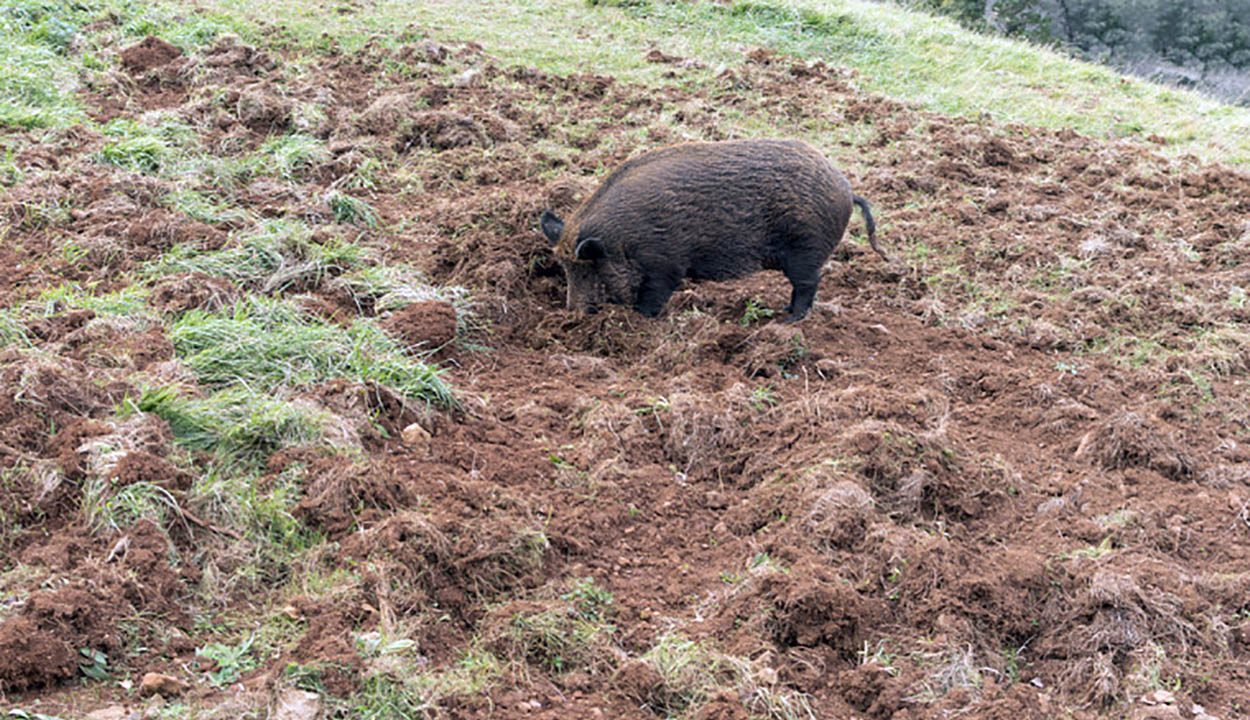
(159, 230)
(148, 54)
(1128, 440)
(326, 642)
(424, 326)
(33, 657)
(114, 579)
(193, 291)
(341, 494)
(262, 108)
(230, 57)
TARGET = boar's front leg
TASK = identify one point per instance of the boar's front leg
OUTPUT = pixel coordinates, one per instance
(656, 289)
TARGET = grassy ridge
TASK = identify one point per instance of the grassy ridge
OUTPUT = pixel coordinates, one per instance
(906, 55)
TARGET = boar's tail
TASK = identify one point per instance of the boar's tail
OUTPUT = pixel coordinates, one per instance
(866, 209)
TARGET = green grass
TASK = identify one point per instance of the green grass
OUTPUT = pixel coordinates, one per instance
(189, 28)
(391, 287)
(559, 638)
(45, 48)
(130, 301)
(289, 157)
(205, 207)
(384, 697)
(37, 85)
(231, 660)
(107, 507)
(236, 422)
(351, 211)
(235, 498)
(264, 344)
(905, 55)
(12, 330)
(274, 256)
(149, 149)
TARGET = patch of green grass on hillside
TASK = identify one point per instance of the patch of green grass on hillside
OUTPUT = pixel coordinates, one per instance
(45, 47)
(128, 302)
(235, 422)
(905, 55)
(38, 82)
(186, 26)
(265, 344)
(274, 256)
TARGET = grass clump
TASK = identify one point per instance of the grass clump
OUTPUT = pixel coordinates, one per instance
(277, 256)
(555, 636)
(130, 301)
(236, 498)
(683, 674)
(288, 156)
(351, 211)
(265, 344)
(108, 507)
(236, 422)
(205, 207)
(384, 697)
(146, 149)
(391, 287)
(12, 330)
(38, 84)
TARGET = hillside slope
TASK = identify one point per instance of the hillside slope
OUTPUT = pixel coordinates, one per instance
(1007, 477)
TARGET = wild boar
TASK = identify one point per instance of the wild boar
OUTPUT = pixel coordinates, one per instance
(705, 211)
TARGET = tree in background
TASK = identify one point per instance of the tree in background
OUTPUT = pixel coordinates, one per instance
(1203, 44)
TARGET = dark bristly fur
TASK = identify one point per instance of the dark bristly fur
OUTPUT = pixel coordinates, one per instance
(706, 211)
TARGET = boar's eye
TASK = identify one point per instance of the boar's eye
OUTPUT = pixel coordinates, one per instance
(590, 249)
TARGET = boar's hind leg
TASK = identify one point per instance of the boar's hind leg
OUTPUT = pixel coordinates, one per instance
(805, 278)
(655, 292)
(801, 298)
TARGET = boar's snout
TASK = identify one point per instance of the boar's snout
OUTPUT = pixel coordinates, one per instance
(585, 287)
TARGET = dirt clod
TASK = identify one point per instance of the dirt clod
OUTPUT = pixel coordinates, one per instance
(166, 685)
(149, 53)
(424, 326)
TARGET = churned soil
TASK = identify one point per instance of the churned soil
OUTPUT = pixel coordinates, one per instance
(1005, 476)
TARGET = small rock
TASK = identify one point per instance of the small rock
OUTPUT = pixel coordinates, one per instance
(416, 435)
(1157, 712)
(1159, 697)
(297, 705)
(113, 712)
(716, 500)
(767, 675)
(166, 685)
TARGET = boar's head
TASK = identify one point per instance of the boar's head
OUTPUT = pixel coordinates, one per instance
(596, 273)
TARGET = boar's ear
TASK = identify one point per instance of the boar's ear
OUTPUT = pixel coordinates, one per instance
(553, 227)
(590, 249)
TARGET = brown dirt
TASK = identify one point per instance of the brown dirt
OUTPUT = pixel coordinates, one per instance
(149, 53)
(945, 492)
(424, 326)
